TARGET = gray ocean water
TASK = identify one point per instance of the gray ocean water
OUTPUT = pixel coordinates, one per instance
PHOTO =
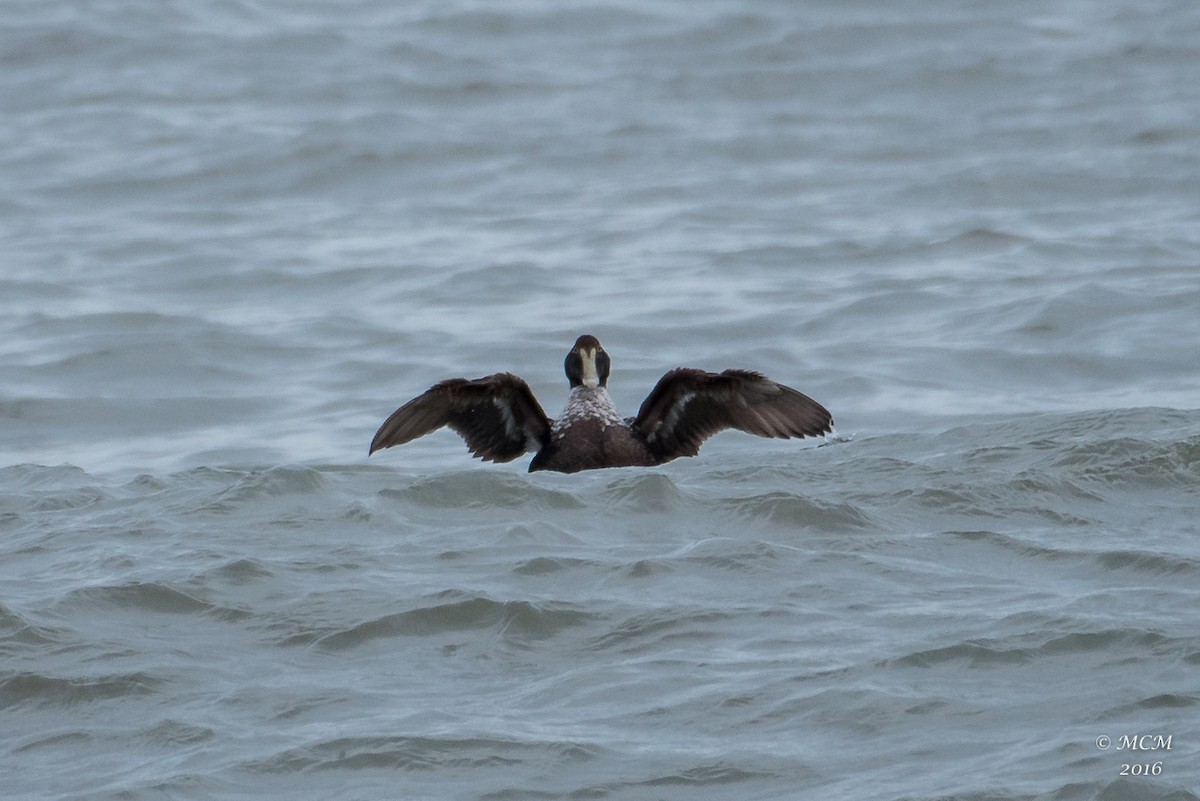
(236, 234)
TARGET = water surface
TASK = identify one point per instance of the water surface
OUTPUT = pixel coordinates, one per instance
(237, 235)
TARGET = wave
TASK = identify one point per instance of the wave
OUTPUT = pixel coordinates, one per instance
(479, 489)
(993, 653)
(420, 753)
(513, 622)
(39, 689)
(144, 596)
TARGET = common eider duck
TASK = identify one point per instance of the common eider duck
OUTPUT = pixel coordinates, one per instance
(500, 419)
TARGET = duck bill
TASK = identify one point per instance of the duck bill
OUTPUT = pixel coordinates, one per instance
(591, 374)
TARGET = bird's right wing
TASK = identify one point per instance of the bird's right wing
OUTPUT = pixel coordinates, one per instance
(498, 416)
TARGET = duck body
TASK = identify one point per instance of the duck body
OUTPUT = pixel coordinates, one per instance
(500, 418)
(589, 434)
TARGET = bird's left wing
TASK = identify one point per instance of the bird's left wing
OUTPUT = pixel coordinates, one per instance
(688, 406)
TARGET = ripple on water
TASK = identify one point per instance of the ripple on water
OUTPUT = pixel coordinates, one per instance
(974, 654)
(548, 565)
(64, 488)
(654, 492)
(149, 596)
(1152, 563)
(175, 732)
(143, 596)
(60, 739)
(1028, 647)
(797, 511)
(739, 556)
(38, 689)
(1159, 701)
(274, 482)
(242, 571)
(1128, 559)
(16, 632)
(514, 621)
(1128, 461)
(706, 774)
(479, 489)
(646, 632)
(422, 753)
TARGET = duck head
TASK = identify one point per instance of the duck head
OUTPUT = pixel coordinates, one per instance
(587, 364)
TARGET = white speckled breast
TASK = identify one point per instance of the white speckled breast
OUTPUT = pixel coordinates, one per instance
(586, 404)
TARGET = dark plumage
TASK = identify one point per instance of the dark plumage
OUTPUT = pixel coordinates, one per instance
(500, 418)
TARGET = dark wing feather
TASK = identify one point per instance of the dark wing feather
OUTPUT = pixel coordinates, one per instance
(498, 416)
(688, 406)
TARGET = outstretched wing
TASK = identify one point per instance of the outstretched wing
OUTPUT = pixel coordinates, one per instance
(688, 406)
(497, 415)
